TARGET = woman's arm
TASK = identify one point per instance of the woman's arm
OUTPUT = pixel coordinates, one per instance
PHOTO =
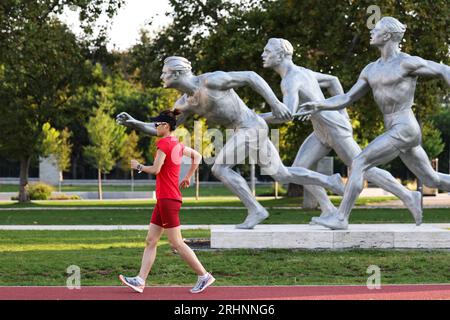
(196, 158)
(153, 169)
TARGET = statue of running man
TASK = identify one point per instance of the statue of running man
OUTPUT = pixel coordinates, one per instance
(392, 80)
(212, 96)
(332, 129)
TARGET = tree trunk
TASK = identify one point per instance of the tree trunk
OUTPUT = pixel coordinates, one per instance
(295, 190)
(132, 180)
(60, 181)
(197, 184)
(309, 202)
(24, 169)
(74, 167)
(100, 192)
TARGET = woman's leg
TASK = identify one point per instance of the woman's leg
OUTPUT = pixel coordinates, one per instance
(151, 244)
(186, 253)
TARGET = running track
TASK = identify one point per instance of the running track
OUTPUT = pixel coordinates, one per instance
(387, 292)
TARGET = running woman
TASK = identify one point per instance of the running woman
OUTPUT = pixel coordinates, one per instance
(165, 216)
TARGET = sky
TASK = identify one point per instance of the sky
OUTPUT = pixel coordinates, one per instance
(130, 18)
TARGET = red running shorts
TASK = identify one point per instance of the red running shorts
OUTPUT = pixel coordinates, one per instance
(166, 213)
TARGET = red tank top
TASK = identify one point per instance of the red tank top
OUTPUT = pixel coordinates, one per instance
(167, 180)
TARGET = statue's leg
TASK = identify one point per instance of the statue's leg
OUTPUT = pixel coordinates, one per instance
(417, 161)
(379, 151)
(348, 149)
(310, 152)
(231, 154)
(271, 164)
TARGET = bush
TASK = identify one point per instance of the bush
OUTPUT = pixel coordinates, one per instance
(39, 191)
(64, 196)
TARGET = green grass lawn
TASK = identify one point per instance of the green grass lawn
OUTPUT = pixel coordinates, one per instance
(209, 216)
(205, 190)
(42, 257)
(216, 201)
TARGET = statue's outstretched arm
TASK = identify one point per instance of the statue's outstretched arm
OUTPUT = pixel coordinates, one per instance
(232, 80)
(338, 102)
(149, 127)
(330, 83)
(290, 100)
(125, 119)
(421, 67)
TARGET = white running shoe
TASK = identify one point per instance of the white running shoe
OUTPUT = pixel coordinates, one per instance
(133, 283)
(202, 284)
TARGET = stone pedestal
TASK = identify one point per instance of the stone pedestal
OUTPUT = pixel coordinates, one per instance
(367, 236)
(48, 170)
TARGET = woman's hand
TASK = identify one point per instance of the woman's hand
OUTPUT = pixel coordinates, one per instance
(134, 164)
(185, 183)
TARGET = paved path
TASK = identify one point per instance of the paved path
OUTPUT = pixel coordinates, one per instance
(358, 227)
(441, 200)
(76, 208)
(96, 227)
(386, 292)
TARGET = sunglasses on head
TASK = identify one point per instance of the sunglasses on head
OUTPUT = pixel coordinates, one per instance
(157, 124)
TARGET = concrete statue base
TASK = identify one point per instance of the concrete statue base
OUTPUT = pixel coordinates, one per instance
(301, 236)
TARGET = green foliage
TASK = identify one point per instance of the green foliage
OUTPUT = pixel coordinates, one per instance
(39, 191)
(328, 36)
(130, 151)
(123, 95)
(36, 86)
(65, 197)
(107, 140)
(57, 143)
(441, 120)
(432, 141)
(49, 139)
(64, 150)
(42, 66)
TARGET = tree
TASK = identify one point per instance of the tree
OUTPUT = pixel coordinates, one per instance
(42, 64)
(130, 151)
(34, 90)
(63, 154)
(107, 140)
(441, 121)
(432, 141)
(328, 36)
(57, 144)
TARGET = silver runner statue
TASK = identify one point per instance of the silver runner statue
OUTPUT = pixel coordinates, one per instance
(392, 79)
(332, 129)
(212, 96)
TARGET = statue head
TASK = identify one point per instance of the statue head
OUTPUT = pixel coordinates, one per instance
(387, 29)
(175, 69)
(275, 51)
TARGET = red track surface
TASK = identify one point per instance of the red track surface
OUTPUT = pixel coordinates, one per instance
(387, 292)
